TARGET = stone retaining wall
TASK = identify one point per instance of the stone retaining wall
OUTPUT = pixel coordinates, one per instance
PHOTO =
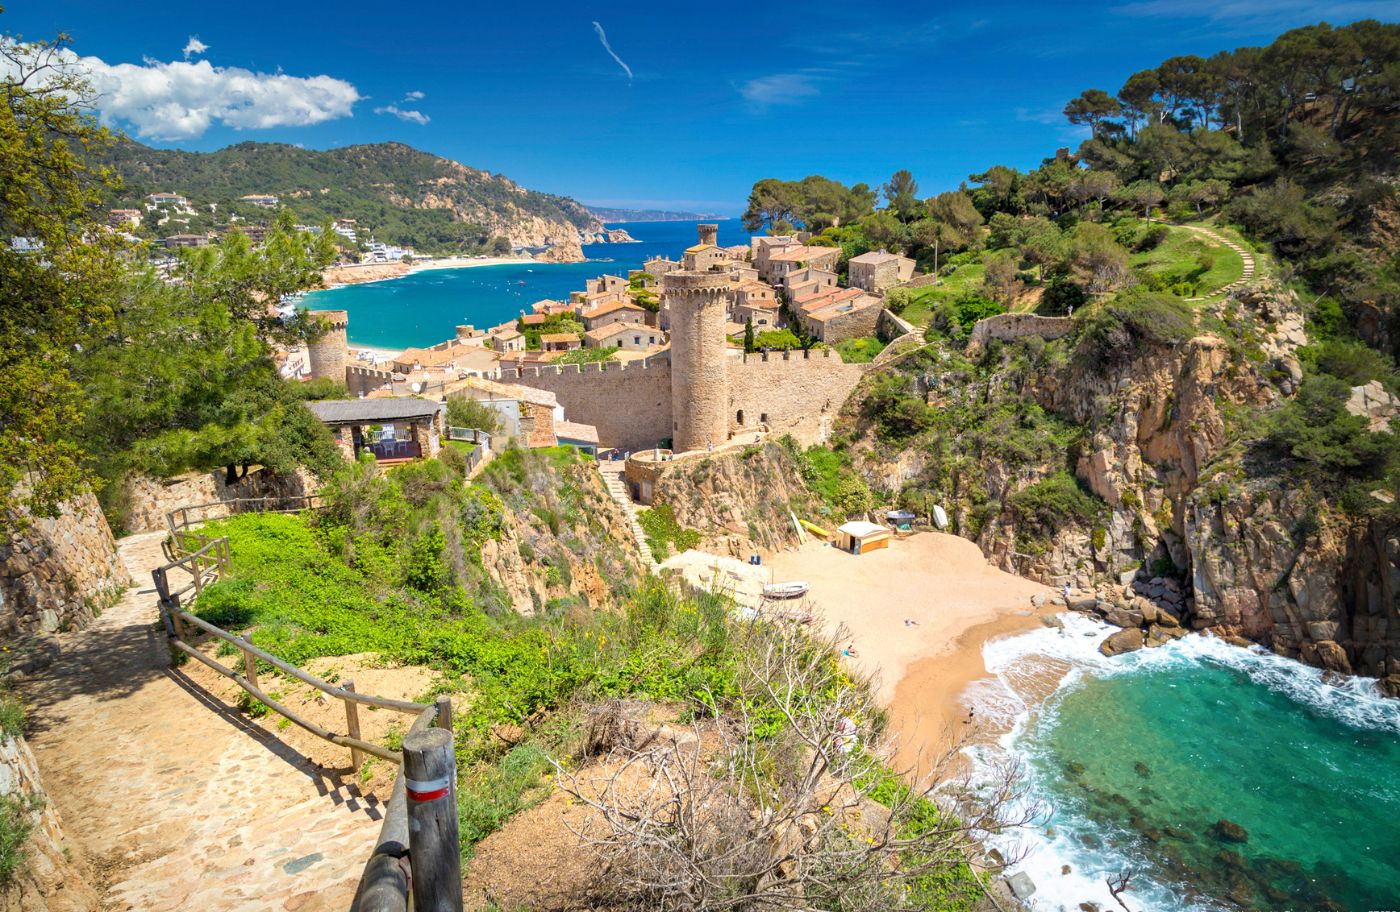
(58, 573)
(1017, 326)
(149, 499)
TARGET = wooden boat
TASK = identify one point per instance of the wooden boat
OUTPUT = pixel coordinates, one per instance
(940, 518)
(792, 590)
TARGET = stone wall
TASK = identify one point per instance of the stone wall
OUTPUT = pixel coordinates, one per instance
(629, 403)
(49, 880)
(1016, 326)
(60, 572)
(851, 324)
(149, 499)
(794, 392)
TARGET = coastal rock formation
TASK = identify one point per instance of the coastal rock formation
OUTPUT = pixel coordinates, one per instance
(59, 573)
(607, 236)
(49, 877)
(739, 500)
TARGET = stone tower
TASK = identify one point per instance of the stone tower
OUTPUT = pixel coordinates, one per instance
(330, 353)
(709, 234)
(699, 358)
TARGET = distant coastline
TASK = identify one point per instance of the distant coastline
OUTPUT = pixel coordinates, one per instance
(360, 273)
(611, 216)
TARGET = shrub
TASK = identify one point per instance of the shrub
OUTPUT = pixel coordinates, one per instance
(897, 413)
(1320, 439)
(468, 413)
(1115, 330)
(1053, 502)
(860, 350)
(15, 826)
(663, 531)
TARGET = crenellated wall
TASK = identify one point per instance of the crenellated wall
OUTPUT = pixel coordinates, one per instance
(793, 392)
(629, 403)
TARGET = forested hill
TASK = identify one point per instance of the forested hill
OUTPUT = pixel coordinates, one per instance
(608, 214)
(402, 195)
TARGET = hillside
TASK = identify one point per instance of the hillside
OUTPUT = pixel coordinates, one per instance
(400, 194)
(607, 214)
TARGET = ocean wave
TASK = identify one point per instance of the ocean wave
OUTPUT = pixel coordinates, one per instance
(1032, 672)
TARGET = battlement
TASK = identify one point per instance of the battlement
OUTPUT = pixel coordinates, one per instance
(509, 374)
(690, 282)
(788, 355)
(335, 319)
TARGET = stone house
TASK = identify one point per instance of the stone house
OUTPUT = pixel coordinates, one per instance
(548, 306)
(560, 342)
(622, 311)
(802, 283)
(507, 340)
(705, 256)
(840, 314)
(626, 336)
(764, 247)
(533, 417)
(607, 283)
(393, 429)
(764, 314)
(878, 270)
(799, 256)
(659, 266)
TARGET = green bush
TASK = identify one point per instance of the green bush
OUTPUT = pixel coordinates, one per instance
(469, 413)
(16, 823)
(897, 412)
(828, 475)
(663, 531)
(1053, 503)
(1321, 440)
(860, 350)
(1114, 331)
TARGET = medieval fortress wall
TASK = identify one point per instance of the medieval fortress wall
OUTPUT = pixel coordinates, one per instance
(629, 403)
(1011, 326)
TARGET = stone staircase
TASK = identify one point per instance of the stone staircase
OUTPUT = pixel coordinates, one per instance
(612, 480)
(1245, 255)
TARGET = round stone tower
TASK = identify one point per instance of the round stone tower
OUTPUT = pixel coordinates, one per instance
(330, 353)
(709, 234)
(699, 354)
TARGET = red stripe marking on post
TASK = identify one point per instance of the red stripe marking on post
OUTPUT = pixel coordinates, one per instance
(434, 795)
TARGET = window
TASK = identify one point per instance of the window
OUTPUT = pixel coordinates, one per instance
(739, 417)
(763, 418)
(636, 340)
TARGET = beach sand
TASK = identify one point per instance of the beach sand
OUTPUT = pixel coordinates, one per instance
(959, 601)
(358, 273)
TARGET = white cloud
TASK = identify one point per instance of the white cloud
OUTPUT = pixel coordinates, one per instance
(603, 38)
(413, 96)
(182, 99)
(779, 89)
(417, 117)
(194, 47)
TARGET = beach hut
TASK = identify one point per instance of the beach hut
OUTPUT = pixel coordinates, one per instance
(859, 537)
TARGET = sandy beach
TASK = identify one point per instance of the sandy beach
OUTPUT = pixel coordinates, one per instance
(959, 602)
(378, 272)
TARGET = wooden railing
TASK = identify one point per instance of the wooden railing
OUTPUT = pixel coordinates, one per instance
(182, 518)
(426, 865)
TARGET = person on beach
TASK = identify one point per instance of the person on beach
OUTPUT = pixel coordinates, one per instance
(910, 622)
(1065, 593)
(850, 651)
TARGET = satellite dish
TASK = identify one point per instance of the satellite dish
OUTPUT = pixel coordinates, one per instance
(416, 387)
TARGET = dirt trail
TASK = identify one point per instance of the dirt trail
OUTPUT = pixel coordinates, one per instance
(176, 799)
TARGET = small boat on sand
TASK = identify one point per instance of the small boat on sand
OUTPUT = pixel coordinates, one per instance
(792, 590)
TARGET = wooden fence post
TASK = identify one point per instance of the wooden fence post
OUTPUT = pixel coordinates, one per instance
(352, 725)
(250, 664)
(434, 844)
(444, 712)
(175, 617)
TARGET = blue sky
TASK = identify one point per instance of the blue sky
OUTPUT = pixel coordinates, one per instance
(718, 95)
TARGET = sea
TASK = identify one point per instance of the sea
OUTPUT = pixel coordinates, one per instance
(425, 307)
(1219, 778)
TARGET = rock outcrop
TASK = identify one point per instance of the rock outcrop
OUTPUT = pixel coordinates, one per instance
(146, 500)
(740, 500)
(49, 878)
(58, 573)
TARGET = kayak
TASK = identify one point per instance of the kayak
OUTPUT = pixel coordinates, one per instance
(792, 590)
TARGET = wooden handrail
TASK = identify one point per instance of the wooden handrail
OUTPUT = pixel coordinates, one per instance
(384, 884)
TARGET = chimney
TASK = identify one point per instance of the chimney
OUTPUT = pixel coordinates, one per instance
(708, 233)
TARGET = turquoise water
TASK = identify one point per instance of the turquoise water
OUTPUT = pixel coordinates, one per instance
(425, 307)
(1143, 755)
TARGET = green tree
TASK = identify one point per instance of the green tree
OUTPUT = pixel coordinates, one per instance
(1093, 108)
(1143, 194)
(748, 335)
(49, 301)
(902, 195)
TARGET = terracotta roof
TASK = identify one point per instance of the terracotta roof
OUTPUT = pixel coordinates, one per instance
(506, 391)
(572, 430)
(506, 334)
(876, 256)
(534, 319)
(558, 337)
(613, 329)
(602, 310)
(701, 248)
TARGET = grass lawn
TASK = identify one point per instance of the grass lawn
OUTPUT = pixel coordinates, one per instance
(964, 279)
(466, 446)
(1177, 254)
(860, 350)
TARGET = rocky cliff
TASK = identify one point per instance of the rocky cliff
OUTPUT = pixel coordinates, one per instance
(48, 878)
(739, 500)
(1178, 517)
(564, 541)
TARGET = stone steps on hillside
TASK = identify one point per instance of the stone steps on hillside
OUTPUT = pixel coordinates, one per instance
(1246, 256)
(617, 488)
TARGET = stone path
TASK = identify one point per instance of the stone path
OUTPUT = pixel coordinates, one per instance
(617, 487)
(1245, 255)
(179, 802)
